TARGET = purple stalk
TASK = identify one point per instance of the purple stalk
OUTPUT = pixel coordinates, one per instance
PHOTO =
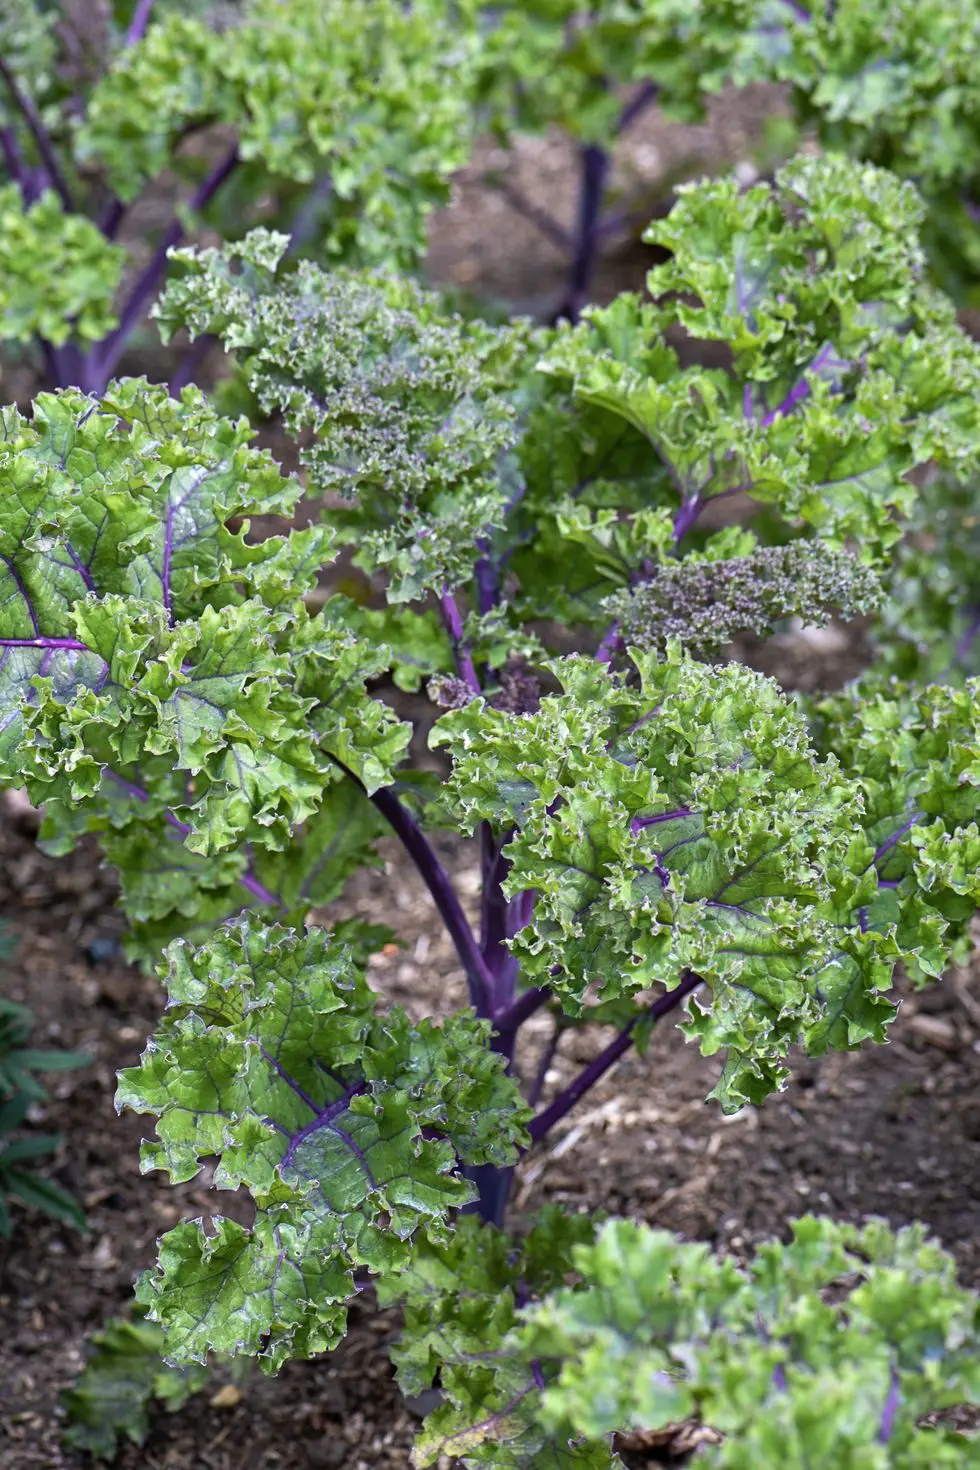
(436, 879)
(686, 516)
(139, 22)
(601, 1064)
(454, 625)
(547, 1057)
(496, 926)
(487, 582)
(638, 103)
(186, 370)
(112, 348)
(19, 171)
(966, 640)
(890, 1410)
(168, 551)
(609, 646)
(39, 133)
(799, 391)
(540, 218)
(895, 838)
(72, 643)
(525, 1005)
(594, 170)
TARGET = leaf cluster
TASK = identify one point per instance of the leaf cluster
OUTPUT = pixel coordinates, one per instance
(831, 1348)
(163, 683)
(347, 1128)
(124, 1376)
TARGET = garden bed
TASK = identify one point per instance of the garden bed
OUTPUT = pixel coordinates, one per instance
(890, 1131)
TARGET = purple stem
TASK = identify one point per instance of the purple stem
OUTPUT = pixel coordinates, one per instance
(540, 218)
(609, 646)
(138, 24)
(965, 642)
(487, 584)
(168, 550)
(16, 167)
(191, 359)
(601, 1064)
(799, 391)
(113, 347)
(895, 838)
(525, 1005)
(594, 169)
(479, 979)
(72, 643)
(291, 1082)
(890, 1410)
(39, 133)
(454, 625)
(686, 516)
(638, 103)
(547, 1057)
(497, 914)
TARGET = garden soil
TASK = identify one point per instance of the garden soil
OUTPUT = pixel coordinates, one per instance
(891, 1131)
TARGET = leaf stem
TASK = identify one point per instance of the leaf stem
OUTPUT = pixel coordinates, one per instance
(638, 103)
(540, 218)
(525, 1005)
(106, 358)
(436, 879)
(798, 392)
(139, 22)
(71, 643)
(607, 1058)
(593, 174)
(895, 838)
(453, 619)
(544, 1064)
(39, 133)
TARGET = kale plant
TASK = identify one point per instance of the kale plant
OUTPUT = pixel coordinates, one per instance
(594, 71)
(662, 832)
(890, 82)
(124, 1375)
(344, 121)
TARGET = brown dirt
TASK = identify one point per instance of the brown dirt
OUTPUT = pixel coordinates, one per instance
(893, 1131)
